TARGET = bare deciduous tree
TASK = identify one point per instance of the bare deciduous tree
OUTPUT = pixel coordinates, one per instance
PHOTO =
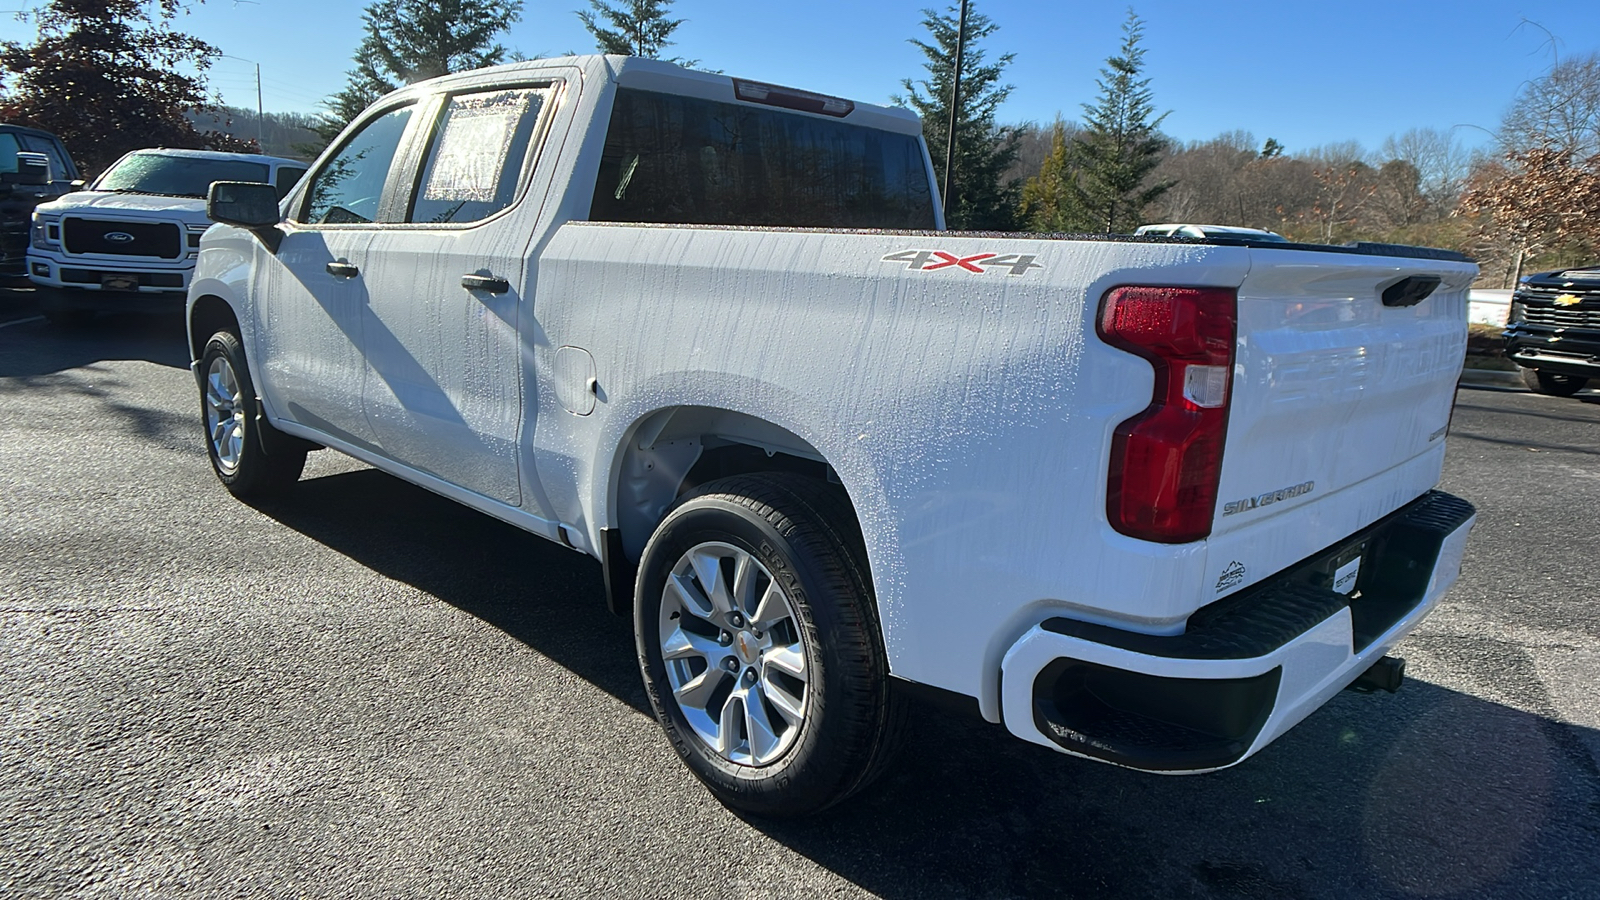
(1560, 109)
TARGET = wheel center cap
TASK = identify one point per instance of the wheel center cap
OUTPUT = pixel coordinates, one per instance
(747, 645)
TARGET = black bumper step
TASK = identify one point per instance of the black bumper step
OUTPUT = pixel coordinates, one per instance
(1400, 550)
(1175, 724)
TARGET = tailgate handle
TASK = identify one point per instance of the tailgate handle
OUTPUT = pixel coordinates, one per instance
(489, 284)
(1410, 291)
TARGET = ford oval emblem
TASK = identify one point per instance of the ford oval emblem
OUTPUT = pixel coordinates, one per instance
(119, 237)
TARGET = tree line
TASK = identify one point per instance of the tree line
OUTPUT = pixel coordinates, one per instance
(103, 74)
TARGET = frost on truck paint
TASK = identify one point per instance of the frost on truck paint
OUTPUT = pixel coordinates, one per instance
(954, 384)
(473, 145)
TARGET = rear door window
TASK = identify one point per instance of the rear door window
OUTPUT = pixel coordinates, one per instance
(476, 157)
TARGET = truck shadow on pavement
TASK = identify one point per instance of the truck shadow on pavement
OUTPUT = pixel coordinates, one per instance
(33, 347)
(1429, 792)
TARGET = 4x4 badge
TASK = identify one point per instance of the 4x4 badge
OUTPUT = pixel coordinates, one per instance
(976, 263)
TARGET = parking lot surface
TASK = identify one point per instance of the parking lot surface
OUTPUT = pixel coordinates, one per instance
(367, 691)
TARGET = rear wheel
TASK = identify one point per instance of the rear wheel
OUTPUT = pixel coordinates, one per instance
(231, 414)
(759, 644)
(1552, 384)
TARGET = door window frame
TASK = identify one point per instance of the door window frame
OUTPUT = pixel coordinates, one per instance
(416, 161)
(404, 158)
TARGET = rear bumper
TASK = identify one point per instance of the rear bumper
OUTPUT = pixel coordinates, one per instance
(1559, 351)
(1247, 668)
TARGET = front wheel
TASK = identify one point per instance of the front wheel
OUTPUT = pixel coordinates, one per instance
(231, 414)
(1552, 384)
(758, 640)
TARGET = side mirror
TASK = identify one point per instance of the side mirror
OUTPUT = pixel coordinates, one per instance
(247, 204)
(32, 168)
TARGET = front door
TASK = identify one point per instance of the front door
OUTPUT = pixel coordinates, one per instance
(445, 293)
(310, 353)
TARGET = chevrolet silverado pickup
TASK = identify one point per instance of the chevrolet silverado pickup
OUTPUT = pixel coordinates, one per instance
(1553, 330)
(1145, 500)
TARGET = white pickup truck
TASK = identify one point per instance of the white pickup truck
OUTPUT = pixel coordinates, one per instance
(1149, 501)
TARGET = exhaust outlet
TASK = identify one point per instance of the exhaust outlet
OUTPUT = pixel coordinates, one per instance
(1386, 674)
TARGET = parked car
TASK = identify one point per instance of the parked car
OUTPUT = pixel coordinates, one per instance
(130, 241)
(21, 191)
(1143, 501)
(1203, 232)
(1553, 331)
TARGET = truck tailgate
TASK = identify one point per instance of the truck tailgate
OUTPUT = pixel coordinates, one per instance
(1333, 389)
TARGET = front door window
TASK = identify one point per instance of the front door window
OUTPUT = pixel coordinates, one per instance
(348, 188)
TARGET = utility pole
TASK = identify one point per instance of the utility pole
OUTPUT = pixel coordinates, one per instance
(955, 104)
(260, 143)
(260, 116)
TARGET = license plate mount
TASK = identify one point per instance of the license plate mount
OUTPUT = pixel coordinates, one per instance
(115, 282)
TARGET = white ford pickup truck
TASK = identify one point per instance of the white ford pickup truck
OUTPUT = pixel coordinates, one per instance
(1150, 500)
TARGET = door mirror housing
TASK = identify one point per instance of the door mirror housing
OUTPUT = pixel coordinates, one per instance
(33, 169)
(247, 204)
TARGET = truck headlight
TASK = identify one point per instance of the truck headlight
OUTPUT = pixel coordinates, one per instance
(193, 234)
(1516, 314)
(46, 231)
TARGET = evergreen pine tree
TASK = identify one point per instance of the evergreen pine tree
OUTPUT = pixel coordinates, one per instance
(412, 40)
(1050, 199)
(981, 197)
(1121, 143)
(637, 28)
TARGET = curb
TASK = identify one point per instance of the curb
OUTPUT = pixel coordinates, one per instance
(1491, 378)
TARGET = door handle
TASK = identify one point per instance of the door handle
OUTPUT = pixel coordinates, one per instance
(490, 284)
(343, 270)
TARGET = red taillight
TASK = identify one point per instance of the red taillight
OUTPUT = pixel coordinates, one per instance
(1166, 461)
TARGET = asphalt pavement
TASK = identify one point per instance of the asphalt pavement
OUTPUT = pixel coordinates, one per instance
(365, 691)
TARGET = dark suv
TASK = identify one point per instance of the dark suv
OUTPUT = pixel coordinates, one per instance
(1554, 330)
(17, 198)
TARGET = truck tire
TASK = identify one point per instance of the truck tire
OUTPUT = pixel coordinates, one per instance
(230, 414)
(759, 643)
(1552, 384)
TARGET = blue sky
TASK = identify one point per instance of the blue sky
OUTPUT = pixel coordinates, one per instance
(1304, 73)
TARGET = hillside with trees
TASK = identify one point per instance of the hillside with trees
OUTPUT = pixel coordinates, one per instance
(115, 75)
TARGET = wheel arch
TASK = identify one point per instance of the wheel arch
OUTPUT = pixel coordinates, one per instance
(207, 315)
(670, 451)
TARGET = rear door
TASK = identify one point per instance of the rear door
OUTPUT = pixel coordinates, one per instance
(447, 289)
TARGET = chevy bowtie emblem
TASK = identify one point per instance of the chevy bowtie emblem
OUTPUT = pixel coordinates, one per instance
(1568, 300)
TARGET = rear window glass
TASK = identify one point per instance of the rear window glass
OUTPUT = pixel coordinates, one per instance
(684, 160)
